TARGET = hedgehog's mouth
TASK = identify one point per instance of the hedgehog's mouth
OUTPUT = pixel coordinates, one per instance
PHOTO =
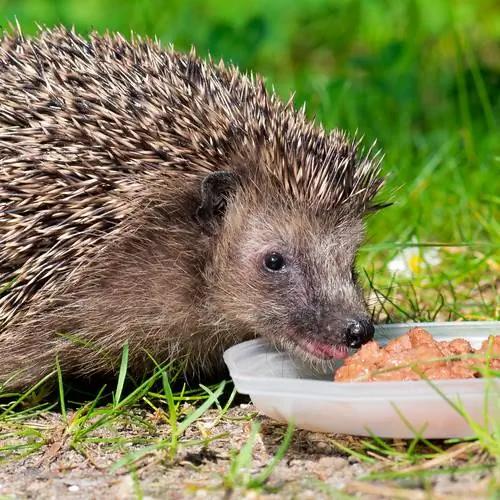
(322, 350)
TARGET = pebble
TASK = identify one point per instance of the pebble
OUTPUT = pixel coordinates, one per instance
(73, 488)
(332, 463)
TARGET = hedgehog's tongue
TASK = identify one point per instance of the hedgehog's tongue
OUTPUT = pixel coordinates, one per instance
(325, 351)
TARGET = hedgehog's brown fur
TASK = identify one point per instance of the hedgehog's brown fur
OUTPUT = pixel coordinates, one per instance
(104, 146)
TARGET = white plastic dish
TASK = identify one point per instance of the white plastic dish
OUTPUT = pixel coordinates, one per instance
(284, 389)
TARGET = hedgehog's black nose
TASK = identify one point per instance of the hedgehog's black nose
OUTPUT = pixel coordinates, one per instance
(358, 332)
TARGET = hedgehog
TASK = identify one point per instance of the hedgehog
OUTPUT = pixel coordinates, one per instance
(173, 203)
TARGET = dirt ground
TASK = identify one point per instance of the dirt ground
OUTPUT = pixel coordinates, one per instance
(313, 467)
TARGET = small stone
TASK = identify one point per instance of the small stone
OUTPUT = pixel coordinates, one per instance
(73, 488)
(250, 495)
(332, 463)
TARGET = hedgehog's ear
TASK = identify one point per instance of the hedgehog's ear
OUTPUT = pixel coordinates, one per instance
(216, 189)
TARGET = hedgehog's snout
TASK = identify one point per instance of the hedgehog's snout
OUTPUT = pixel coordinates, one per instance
(352, 330)
(358, 332)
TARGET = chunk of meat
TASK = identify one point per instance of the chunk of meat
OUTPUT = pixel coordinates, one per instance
(491, 348)
(418, 355)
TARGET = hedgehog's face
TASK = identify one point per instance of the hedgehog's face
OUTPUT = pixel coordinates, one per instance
(293, 282)
(288, 275)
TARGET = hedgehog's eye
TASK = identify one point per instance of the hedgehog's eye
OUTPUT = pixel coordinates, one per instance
(274, 261)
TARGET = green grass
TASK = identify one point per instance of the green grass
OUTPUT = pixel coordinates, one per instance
(420, 77)
(239, 474)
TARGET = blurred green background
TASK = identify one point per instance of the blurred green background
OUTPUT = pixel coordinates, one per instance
(420, 76)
